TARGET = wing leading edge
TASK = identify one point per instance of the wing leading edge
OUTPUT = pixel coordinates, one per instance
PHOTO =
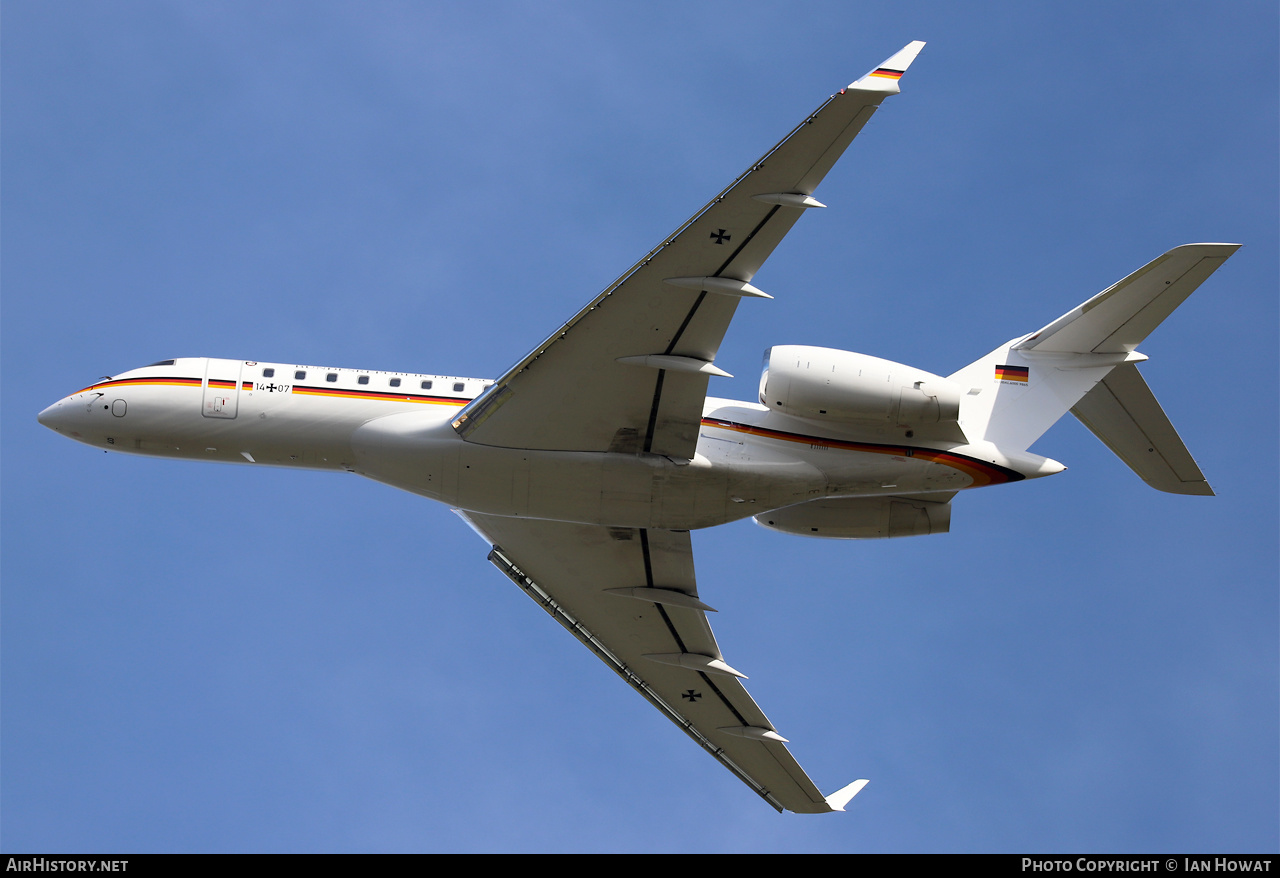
(630, 597)
(638, 356)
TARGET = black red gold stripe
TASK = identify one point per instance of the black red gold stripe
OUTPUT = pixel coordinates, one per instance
(348, 393)
(886, 73)
(135, 382)
(224, 384)
(982, 472)
(1012, 373)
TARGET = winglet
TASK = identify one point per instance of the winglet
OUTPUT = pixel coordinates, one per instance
(837, 800)
(885, 77)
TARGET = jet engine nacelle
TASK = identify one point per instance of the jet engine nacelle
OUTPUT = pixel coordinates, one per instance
(827, 384)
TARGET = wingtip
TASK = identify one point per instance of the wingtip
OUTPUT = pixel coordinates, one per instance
(837, 800)
(885, 77)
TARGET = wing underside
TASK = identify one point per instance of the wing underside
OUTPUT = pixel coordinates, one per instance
(638, 356)
(630, 597)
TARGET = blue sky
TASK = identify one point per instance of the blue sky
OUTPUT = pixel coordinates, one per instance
(217, 658)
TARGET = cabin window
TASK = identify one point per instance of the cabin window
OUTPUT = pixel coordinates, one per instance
(300, 375)
(268, 373)
(163, 363)
(457, 388)
(332, 376)
(395, 382)
(426, 385)
(363, 379)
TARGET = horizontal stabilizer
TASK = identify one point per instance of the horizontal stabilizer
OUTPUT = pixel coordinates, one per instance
(1121, 316)
(1122, 411)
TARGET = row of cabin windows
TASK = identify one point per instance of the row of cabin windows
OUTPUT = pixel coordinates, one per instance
(301, 375)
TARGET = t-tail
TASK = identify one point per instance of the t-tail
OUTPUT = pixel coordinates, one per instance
(1085, 362)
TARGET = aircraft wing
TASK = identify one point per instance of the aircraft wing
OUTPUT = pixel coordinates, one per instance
(629, 372)
(629, 595)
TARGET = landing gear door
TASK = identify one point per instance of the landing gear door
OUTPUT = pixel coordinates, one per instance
(221, 388)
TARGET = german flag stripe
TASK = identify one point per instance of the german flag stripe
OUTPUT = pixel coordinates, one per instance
(982, 472)
(1012, 373)
(137, 382)
(345, 393)
(223, 384)
(886, 73)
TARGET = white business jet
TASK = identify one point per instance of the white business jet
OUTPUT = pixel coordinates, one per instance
(586, 465)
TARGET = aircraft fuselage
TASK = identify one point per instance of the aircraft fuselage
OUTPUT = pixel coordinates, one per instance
(397, 428)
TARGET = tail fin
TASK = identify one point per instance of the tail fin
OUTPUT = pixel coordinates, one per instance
(1019, 390)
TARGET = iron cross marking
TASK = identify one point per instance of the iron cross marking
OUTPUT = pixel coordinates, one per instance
(691, 695)
(720, 236)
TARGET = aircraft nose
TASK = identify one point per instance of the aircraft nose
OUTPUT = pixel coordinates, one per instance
(56, 416)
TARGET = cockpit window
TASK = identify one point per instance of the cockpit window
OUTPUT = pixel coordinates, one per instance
(162, 363)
